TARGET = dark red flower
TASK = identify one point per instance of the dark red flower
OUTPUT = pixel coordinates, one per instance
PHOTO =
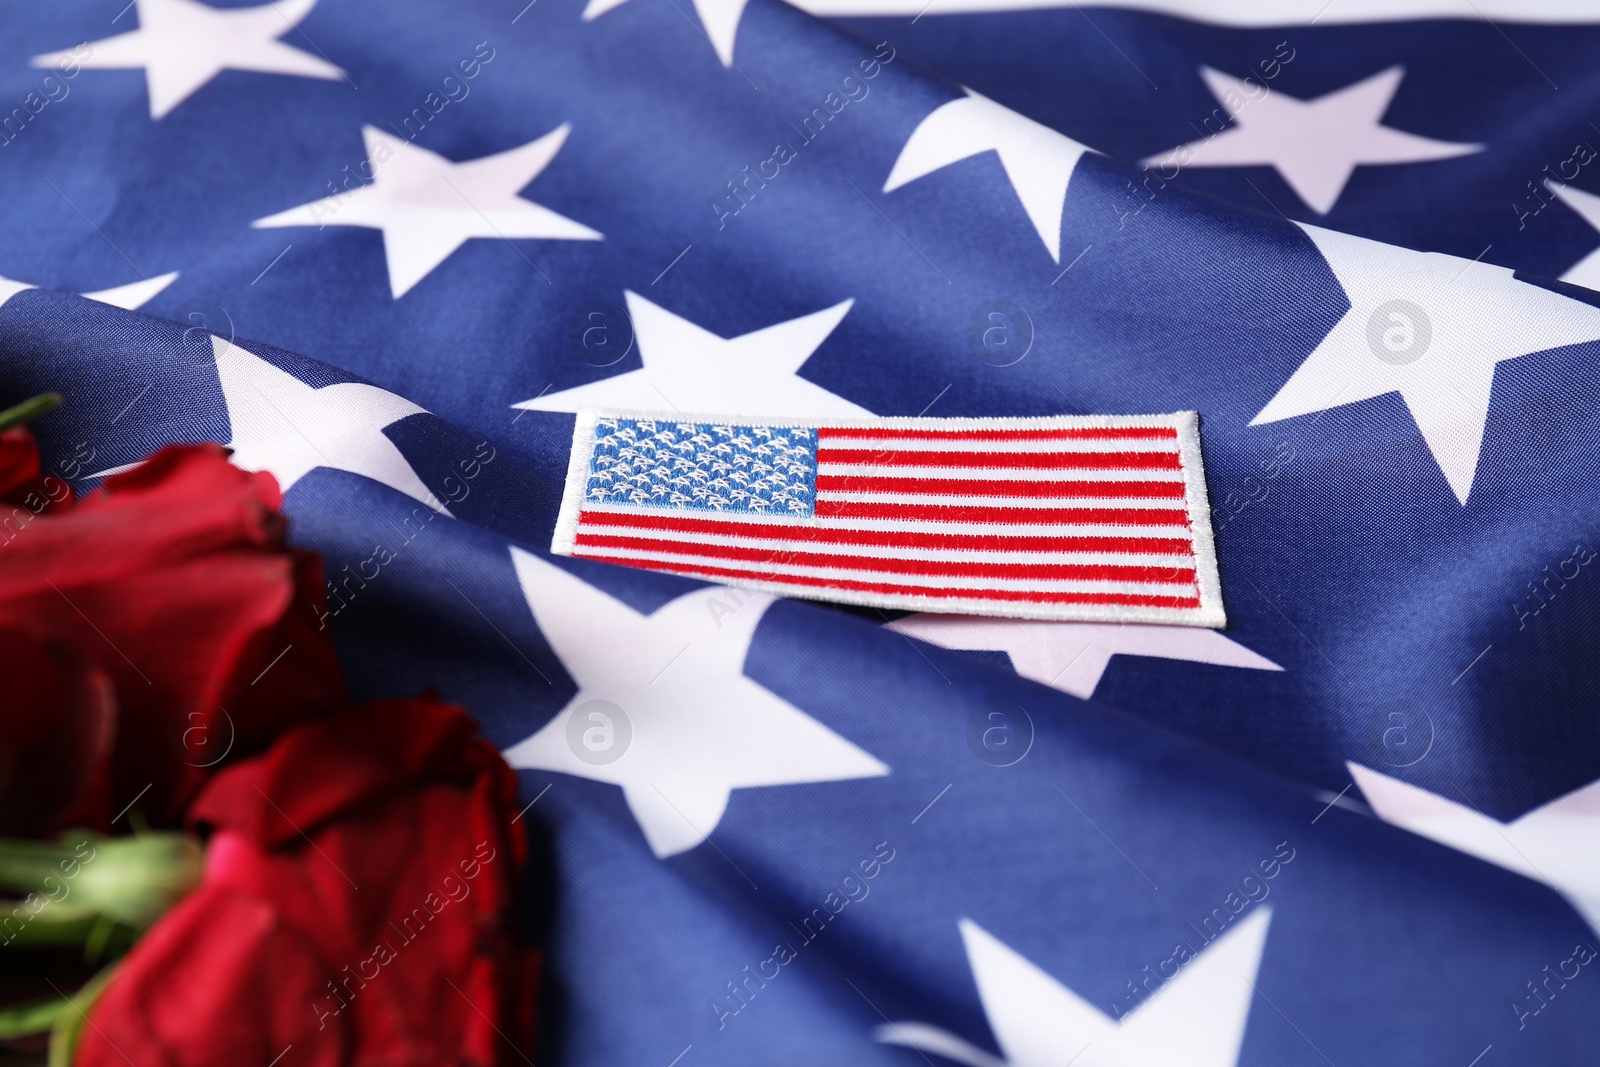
(23, 484)
(60, 720)
(170, 594)
(357, 907)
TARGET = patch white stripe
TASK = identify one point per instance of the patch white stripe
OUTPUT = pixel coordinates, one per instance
(879, 444)
(1018, 474)
(955, 555)
(1180, 587)
(999, 500)
(594, 518)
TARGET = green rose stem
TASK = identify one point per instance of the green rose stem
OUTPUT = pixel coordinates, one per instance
(81, 890)
(29, 410)
(129, 880)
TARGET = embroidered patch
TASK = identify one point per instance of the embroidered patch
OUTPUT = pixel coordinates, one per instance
(1090, 518)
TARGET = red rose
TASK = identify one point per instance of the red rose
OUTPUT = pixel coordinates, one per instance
(60, 721)
(170, 626)
(357, 907)
(23, 485)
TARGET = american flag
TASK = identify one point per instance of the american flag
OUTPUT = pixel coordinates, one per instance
(1100, 518)
(388, 249)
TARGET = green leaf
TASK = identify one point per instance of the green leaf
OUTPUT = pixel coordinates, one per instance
(29, 410)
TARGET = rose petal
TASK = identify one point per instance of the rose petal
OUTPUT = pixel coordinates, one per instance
(59, 720)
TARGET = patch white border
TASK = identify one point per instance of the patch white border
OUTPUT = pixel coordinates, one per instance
(1242, 13)
(1209, 614)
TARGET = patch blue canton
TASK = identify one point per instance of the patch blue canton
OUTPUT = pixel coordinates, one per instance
(698, 466)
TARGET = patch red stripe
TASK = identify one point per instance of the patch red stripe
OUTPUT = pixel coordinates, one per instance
(996, 487)
(850, 509)
(1095, 433)
(1106, 572)
(591, 520)
(870, 457)
(1124, 599)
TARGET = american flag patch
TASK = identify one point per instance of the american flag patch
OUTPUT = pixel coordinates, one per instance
(1094, 518)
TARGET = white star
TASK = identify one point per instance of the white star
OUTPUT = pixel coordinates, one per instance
(1314, 144)
(1430, 327)
(281, 424)
(1586, 272)
(428, 206)
(1557, 844)
(1071, 656)
(664, 709)
(182, 44)
(719, 17)
(1196, 1018)
(128, 297)
(1038, 161)
(692, 369)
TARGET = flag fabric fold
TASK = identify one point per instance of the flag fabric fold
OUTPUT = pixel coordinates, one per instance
(415, 243)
